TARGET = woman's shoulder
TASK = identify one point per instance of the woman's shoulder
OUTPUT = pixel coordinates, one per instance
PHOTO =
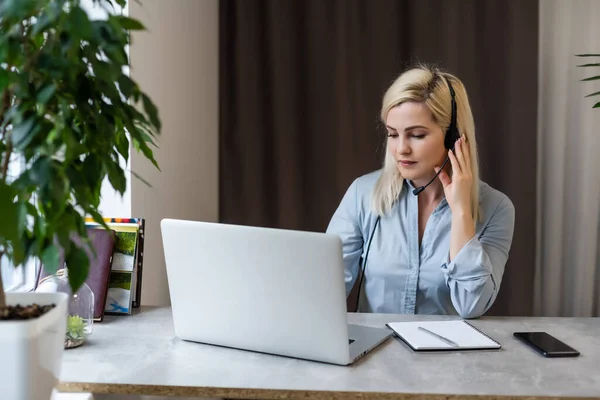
(492, 199)
(364, 184)
(359, 192)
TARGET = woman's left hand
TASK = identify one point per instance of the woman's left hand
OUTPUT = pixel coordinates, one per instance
(458, 189)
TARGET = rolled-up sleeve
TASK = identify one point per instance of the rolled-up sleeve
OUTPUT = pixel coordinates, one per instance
(475, 274)
(345, 224)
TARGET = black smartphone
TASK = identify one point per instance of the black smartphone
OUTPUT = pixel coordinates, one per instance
(546, 344)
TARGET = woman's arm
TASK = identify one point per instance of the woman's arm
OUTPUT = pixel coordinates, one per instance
(345, 224)
(458, 195)
(462, 231)
(474, 273)
(475, 265)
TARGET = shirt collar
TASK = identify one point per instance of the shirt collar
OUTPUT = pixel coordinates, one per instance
(409, 184)
(410, 187)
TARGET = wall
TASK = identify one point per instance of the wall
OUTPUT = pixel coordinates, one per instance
(176, 63)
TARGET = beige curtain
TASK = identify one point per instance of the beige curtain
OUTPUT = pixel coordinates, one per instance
(568, 212)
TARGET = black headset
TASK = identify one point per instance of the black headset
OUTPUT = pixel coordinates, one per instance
(452, 135)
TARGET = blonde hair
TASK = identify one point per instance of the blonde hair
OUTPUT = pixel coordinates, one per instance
(425, 84)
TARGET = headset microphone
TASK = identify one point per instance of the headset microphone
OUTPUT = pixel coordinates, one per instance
(420, 189)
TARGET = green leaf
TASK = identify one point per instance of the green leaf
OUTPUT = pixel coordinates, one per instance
(593, 78)
(146, 137)
(41, 171)
(98, 218)
(116, 177)
(140, 178)
(103, 33)
(152, 112)
(147, 153)
(13, 52)
(78, 265)
(38, 41)
(80, 23)
(44, 21)
(21, 217)
(102, 69)
(39, 228)
(16, 9)
(110, 91)
(18, 248)
(46, 93)
(64, 239)
(4, 79)
(593, 94)
(51, 259)
(66, 41)
(23, 133)
(33, 247)
(59, 189)
(123, 146)
(587, 55)
(590, 65)
(31, 209)
(117, 55)
(8, 213)
(127, 86)
(129, 23)
(597, 105)
(92, 169)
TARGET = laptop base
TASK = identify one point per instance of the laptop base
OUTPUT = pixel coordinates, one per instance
(365, 339)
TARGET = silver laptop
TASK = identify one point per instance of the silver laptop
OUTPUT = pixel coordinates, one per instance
(267, 290)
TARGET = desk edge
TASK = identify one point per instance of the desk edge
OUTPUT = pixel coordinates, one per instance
(252, 393)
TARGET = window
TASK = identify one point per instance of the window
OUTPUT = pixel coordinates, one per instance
(20, 278)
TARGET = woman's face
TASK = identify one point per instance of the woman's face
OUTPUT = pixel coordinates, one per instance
(415, 141)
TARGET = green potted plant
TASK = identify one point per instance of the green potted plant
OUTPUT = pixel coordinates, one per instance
(591, 78)
(68, 114)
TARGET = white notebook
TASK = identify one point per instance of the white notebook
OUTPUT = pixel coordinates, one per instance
(442, 335)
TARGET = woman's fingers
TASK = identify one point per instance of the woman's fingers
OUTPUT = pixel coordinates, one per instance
(467, 152)
(455, 166)
(458, 147)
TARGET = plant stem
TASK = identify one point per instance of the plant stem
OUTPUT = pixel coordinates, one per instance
(4, 171)
(2, 295)
(5, 105)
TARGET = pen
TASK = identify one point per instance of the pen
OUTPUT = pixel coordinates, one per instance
(443, 339)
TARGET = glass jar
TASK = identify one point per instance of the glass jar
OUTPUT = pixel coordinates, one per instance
(80, 319)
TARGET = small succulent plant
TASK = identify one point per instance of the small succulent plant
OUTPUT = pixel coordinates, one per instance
(75, 327)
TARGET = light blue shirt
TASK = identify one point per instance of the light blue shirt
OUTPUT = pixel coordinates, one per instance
(405, 278)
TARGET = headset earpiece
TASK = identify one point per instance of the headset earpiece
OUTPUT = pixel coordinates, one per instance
(452, 134)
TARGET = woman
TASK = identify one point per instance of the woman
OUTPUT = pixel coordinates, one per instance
(434, 239)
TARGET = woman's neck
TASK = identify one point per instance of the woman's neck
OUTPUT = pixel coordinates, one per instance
(432, 194)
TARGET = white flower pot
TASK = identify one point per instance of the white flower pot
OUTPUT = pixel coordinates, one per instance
(31, 350)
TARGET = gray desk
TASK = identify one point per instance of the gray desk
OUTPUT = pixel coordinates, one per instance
(139, 354)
